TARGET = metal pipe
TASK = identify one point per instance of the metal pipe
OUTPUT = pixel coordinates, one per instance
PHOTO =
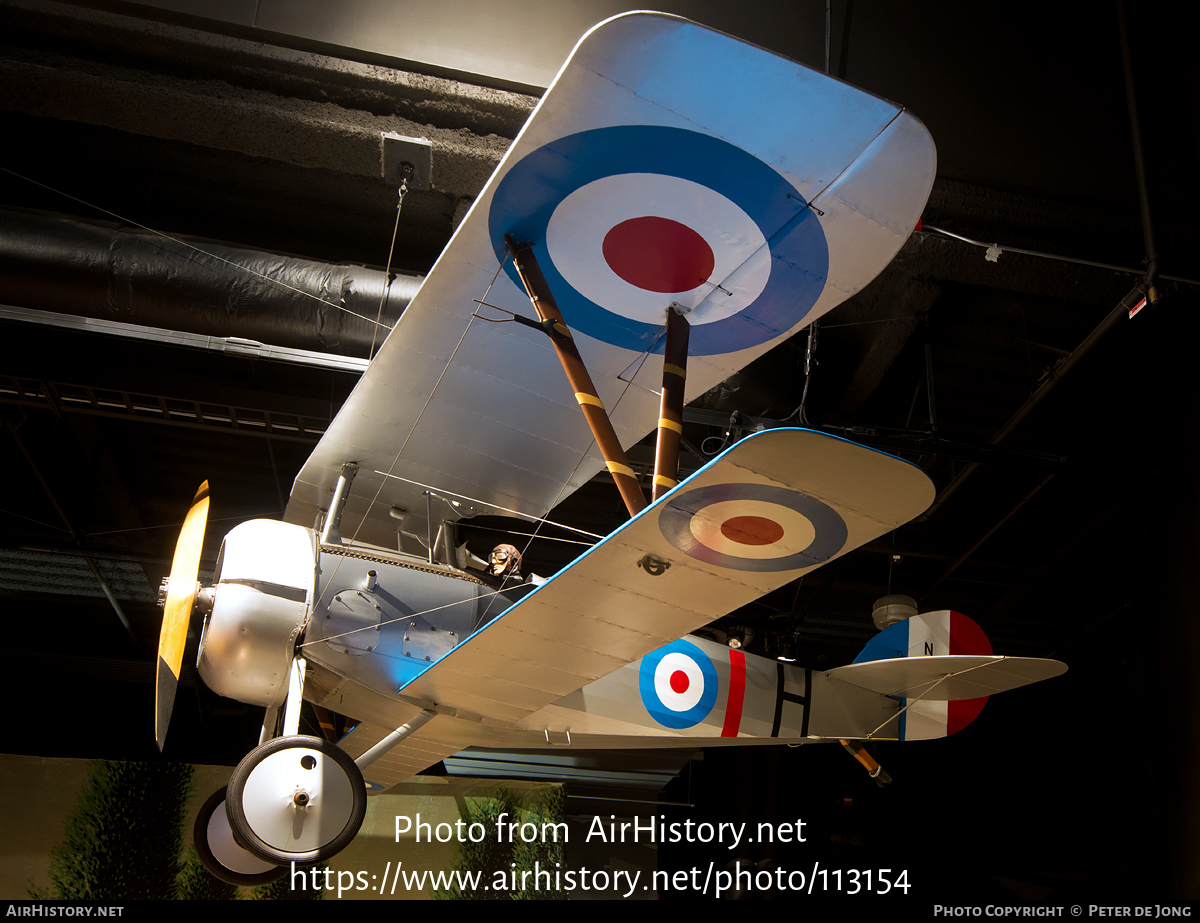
(1057, 374)
(1139, 160)
(990, 532)
(1043, 255)
(109, 272)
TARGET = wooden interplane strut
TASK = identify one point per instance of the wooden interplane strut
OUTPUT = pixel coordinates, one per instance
(670, 414)
(577, 374)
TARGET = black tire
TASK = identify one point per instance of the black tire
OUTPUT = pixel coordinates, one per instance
(267, 829)
(215, 808)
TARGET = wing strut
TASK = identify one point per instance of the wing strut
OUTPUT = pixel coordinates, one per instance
(397, 736)
(577, 374)
(670, 414)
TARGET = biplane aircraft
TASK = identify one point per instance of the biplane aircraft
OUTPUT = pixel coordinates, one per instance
(678, 203)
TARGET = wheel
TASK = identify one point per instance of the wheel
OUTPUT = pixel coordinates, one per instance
(296, 799)
(221, 855)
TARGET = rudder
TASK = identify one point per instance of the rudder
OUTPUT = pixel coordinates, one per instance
(939, 633)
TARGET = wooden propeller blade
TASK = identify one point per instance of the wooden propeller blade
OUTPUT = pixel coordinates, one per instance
(177, 611)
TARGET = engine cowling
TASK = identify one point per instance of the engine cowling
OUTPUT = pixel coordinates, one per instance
(264, 587)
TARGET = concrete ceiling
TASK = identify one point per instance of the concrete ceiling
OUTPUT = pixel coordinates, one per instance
(260, 129)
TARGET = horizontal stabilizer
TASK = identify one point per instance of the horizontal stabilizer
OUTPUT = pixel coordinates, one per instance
(947, 678)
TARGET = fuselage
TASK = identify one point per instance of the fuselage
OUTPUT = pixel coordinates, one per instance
(369, 621)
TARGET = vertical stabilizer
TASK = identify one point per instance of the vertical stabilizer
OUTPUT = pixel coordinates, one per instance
(931, 634)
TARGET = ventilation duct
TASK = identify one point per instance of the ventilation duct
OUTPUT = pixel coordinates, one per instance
(108, 271)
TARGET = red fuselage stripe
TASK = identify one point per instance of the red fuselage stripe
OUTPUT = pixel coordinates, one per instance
(737, 693)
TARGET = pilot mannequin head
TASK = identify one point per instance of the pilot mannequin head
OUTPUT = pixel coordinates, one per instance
(505, 561)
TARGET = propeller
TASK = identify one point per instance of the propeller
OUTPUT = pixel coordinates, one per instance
(177, 596)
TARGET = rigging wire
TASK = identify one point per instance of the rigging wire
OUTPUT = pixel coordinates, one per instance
(412, 429)
(913, 701)
(179, 525)
(545, 538)
(387, 287)
(995, 250)
(375, 626)
(504, 509)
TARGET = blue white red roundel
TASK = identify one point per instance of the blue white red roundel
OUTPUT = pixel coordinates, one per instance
(678, 685)
(753, 527)
(630, 219)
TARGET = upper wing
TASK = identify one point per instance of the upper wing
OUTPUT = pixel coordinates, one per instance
(667, 163)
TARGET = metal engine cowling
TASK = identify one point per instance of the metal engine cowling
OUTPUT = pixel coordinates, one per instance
(262, 597)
